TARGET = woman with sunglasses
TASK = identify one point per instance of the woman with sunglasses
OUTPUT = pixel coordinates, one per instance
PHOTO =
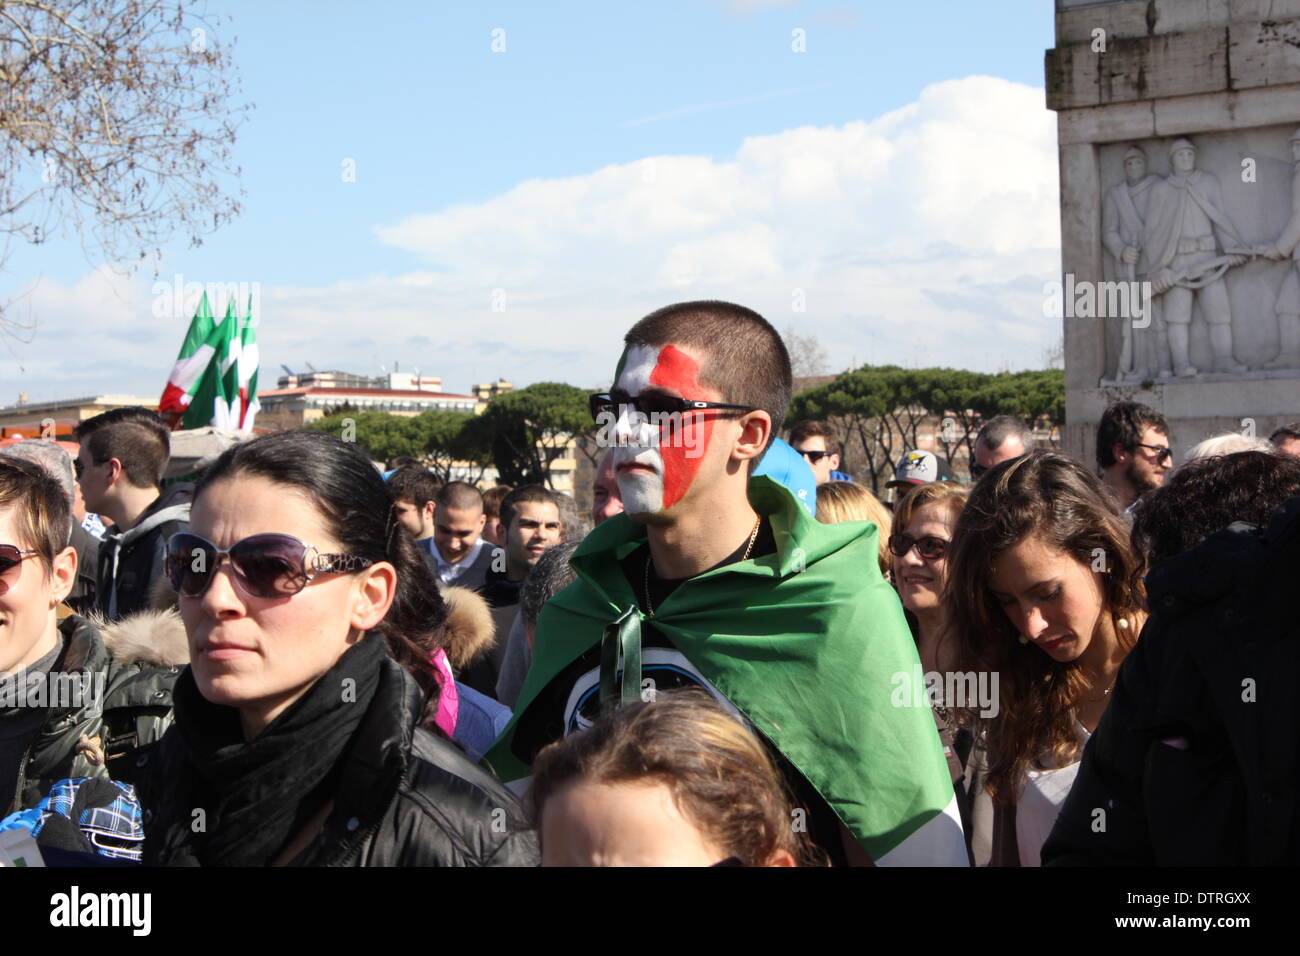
(75, 701)
(1045, 593)
(296, 738)
(923, 522)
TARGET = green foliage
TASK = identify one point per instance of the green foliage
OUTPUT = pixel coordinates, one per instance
(883, 407)
(437, 437)
(525, 429)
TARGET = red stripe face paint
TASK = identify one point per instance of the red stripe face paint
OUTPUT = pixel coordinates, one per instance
(683, 444)
(656, 463)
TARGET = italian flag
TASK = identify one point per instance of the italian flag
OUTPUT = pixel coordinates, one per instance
(212, 375)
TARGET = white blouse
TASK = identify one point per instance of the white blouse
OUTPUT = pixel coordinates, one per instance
(1040, 803)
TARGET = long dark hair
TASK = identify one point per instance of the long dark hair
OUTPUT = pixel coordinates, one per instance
(358, 509)
(1052, 496)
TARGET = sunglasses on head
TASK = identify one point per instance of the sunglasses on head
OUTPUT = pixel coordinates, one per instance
(610, 404)
(264, 565)
(11, 556)
(928, 547)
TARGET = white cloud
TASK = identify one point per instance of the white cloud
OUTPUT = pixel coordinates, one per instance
(923, 236)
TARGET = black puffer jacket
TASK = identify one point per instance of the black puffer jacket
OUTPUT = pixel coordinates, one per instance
(403, 797)
(123, 679)
(1194, 762)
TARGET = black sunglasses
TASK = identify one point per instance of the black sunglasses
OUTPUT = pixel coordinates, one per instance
(265, 565)
(814, 456)
(609, 404)
(11, 556)
(928, 547)
(1163, 452)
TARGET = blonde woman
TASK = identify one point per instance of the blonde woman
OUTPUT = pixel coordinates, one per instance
(848, 501)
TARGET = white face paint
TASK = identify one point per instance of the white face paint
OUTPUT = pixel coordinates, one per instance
(642, 488)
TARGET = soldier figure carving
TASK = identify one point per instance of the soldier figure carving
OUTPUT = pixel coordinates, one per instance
(1185, 227)
(1124, 213)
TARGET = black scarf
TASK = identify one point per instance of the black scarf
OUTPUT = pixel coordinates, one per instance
(257, 795)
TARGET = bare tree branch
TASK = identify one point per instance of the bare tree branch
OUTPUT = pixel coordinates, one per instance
(116, 125)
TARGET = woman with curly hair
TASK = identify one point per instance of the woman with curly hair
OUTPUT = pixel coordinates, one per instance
(1044, 593)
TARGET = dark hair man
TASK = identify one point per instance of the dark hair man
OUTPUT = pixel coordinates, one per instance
(716, 579)
(492, 529)
(1132, 450)
(530, 516)
(460, 554)
(120, 467)
(414, 494)
(605, 498)
(1287, 439)
(1000, 439)
(816, 442)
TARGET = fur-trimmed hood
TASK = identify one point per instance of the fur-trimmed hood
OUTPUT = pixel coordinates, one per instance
(147, 637)
(469, 631)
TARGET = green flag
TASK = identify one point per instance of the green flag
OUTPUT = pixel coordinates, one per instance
(210, 402)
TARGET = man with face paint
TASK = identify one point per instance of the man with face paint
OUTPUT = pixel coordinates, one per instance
(716, 578)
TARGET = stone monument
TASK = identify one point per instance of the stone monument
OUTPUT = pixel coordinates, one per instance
(1179, 147)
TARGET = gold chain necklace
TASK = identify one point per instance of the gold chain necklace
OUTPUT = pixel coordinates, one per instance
(649, 608)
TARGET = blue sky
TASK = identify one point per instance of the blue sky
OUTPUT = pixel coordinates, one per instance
(460, 153)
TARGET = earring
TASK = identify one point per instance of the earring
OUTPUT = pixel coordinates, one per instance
(1123, 623)
(1022, 639)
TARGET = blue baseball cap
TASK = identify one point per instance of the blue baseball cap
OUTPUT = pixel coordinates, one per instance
(783, 464)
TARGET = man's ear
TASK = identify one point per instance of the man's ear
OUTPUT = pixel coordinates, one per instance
(1119, 453)
(115, 471)
(755, 430)
(835, 461)
(63, 575)
(482, 523)
(374, 596)
(430, 509)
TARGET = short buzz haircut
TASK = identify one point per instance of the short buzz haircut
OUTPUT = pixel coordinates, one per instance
(459, 496)
(997, 430)
(414, 484)
(522, 495)
(492, 499)
(745, 360)
(1285, 433)
(805, 430)
(135, 436)
(1123, 424)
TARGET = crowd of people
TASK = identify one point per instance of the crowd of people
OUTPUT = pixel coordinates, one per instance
(738, 657)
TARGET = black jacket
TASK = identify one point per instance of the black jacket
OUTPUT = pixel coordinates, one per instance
(124, 702)
(1194, 761)
(404, 797)
(130, 562)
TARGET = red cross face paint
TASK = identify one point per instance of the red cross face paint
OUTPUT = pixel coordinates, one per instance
(656, 462)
